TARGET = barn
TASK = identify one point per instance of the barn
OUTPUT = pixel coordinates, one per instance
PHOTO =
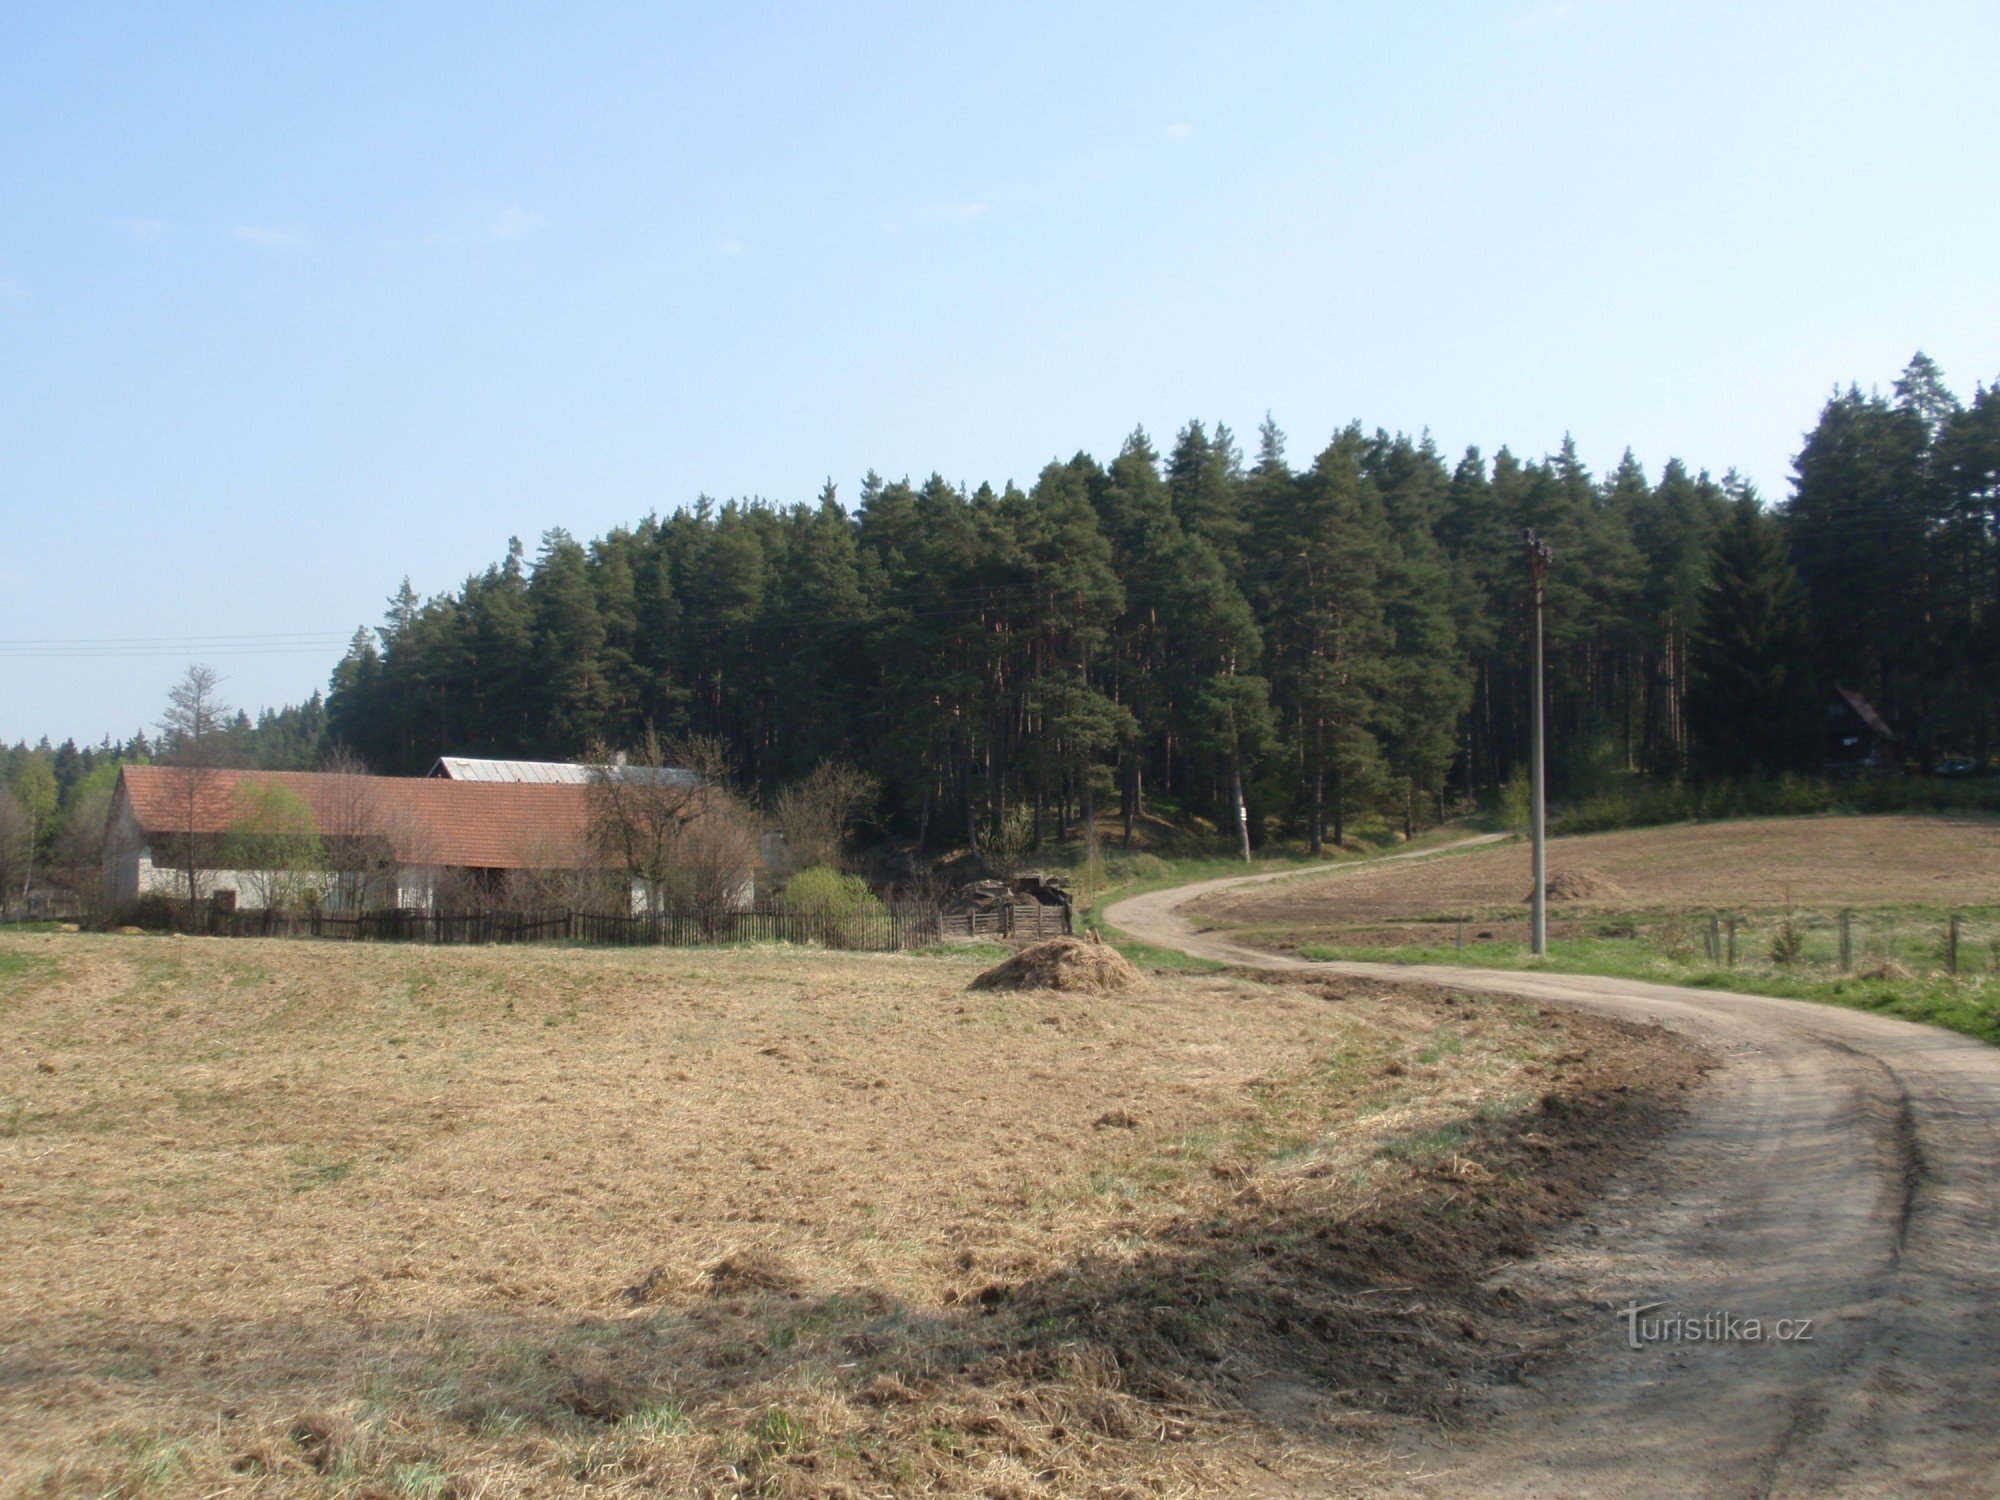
(410, 842)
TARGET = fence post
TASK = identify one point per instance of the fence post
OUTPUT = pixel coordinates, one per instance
(1461, 937)
(1846, 941)
(1951, 944)
(1712, 939)
(1732, 940)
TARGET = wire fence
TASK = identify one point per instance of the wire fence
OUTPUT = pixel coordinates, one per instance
(1880, 942)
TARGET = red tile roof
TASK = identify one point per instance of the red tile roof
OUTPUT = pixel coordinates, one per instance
(427, 821)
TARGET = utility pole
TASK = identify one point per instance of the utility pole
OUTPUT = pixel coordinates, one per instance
(1538, 832)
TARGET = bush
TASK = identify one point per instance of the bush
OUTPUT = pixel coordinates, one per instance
(1788, 943)
(1644, 803)
(842, 905)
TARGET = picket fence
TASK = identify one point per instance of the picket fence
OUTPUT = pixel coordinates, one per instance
(884, 929)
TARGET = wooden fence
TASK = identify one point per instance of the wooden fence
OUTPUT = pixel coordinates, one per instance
(1025, 919)
(882, 929)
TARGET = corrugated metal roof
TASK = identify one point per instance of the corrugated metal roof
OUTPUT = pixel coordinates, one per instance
(552, 772)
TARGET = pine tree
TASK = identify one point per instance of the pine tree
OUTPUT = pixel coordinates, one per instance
(1856, 526)
(1754, 703)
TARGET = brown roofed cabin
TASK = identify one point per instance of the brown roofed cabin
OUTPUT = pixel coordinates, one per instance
(381, 841)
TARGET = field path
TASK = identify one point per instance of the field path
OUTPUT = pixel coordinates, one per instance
(1840, 1166)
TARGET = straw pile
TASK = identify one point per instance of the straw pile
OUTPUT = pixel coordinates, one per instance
(1579, 885)
(1082, 965)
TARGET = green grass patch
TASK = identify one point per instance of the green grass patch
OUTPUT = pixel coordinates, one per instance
(23, 972)
(1423, 1145)
(311, 1170)
(1968, 1002)
(986, 953)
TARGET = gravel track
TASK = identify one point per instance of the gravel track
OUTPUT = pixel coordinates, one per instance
(1840, 1166)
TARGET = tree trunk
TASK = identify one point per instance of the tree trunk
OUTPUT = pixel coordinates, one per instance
(1316, 814)
(1131, 795)
(1242, 812)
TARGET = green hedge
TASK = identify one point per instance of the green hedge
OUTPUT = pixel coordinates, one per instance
(1643, 803)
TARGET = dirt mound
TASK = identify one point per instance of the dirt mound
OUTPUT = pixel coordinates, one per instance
(753, 1271)
(1578, 885)
(1083, 964)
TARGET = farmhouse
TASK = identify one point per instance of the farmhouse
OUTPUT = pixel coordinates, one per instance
(379, 841)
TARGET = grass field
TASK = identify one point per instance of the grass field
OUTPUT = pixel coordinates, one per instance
(1758, 905)
(311, 1218)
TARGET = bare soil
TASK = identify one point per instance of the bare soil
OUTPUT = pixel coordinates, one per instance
(305, 1218)
(1874, 861)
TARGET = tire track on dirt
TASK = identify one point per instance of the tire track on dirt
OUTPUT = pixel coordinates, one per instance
(1840, 1166)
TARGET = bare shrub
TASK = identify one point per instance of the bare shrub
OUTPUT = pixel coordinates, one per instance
(453, 889)
(563, 873)
(715, 859)
(17, 844)
(80, 849)
(1674, 935)
(814, 815)
(664, 817)
(353, 839)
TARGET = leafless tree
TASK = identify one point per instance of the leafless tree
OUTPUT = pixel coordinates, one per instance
(80, 848)
(665, 818)
(715, 864)
(353, 831)
(814, 815)
(405, 849)
(193, 739)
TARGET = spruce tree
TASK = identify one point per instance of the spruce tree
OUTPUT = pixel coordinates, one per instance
(1754, 700)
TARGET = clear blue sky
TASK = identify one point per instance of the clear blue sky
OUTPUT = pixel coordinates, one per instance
(295, 300)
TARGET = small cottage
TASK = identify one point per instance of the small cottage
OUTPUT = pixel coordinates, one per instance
(1857, 739)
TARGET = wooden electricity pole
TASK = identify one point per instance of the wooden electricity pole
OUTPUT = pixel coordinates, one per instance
(1538, 832)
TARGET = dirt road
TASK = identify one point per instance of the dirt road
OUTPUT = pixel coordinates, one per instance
(1841, 1167)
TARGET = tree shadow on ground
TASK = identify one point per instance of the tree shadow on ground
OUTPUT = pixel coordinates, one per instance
(1108, 1365)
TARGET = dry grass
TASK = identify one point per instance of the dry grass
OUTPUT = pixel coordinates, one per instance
(305, 1218)
(1833, 861)
(1087, 964)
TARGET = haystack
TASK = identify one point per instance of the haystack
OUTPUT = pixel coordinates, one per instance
(1579, 885)
(1084, 965)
